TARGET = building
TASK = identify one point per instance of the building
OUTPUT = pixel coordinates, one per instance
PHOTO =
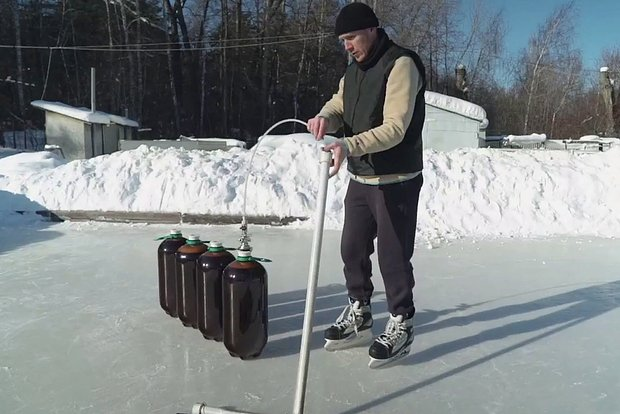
(452, 123)
(81, 133)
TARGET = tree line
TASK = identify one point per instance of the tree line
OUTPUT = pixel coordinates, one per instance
(232, 68)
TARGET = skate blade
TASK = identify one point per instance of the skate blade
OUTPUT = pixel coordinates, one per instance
(362, 338)
(381, 363)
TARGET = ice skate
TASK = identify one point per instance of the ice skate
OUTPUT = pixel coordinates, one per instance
(352, 328)
(393, 344)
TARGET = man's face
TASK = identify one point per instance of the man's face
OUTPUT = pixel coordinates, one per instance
(359, 43)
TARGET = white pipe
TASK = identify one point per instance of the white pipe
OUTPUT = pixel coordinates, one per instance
(203, 409)
(247, 176)
(313, 277)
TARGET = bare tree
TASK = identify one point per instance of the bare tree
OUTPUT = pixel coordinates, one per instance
(14, 7)
(483, 45)
(559, 95)
(172, 35)
(428, 29)
(139, 68)
(223, 69)
(203, 71)
(130, 57)
(302, 58)
(552, 41)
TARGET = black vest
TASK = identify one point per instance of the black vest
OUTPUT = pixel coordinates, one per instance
(364, 95)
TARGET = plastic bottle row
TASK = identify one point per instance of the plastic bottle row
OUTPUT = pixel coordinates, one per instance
(225, 298)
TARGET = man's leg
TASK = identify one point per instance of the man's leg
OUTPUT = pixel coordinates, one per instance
(353, 326)
(396, 207)
(396, 210)
(357, 243)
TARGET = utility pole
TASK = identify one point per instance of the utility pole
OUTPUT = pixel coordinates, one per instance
(607, 92)
(461, 81)
(93, 93)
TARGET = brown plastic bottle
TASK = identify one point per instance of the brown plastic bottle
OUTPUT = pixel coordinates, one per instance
(211, 265)
(244, 307)
(167, 271)
(186, 266)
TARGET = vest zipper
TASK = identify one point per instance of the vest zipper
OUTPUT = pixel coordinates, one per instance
(359, 88)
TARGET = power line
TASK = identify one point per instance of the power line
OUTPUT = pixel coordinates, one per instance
(216, 42)
(10, 80)
(549, 67)
(123, 48)
(146, 47)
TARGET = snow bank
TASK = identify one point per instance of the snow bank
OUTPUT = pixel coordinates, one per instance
(468, 192)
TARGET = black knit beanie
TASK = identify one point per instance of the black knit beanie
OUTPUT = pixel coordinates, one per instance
(355, 16)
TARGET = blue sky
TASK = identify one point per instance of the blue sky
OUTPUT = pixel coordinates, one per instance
(597, 23)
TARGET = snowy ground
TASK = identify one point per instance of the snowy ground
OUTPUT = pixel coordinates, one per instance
(503, 326)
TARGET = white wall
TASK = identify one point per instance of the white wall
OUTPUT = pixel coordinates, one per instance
(446, 131)
(105, 138)
(73, 136)
(67, 133)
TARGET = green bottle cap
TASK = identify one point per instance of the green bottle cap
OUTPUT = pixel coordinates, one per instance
(194, 240)
(244, 256)
(216, 246)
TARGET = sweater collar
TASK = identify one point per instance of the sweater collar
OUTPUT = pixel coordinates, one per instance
(382, 44)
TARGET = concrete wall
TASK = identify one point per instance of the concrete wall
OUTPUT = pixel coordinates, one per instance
(446, 131)
(68, 133)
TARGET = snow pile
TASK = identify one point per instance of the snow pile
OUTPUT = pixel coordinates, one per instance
(21, 164)
(524, 193)
(468, 192)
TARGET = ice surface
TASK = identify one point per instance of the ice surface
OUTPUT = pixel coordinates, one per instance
(502, 326)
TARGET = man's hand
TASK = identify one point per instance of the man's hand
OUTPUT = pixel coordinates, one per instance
(317, 126)
(339, 151)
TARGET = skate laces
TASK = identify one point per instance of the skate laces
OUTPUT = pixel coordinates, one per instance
(349, 316)
(393, 330)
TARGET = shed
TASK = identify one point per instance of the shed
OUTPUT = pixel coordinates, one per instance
(452, 123)
(82, 133)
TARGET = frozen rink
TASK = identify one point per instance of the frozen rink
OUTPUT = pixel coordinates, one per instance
(503, 326)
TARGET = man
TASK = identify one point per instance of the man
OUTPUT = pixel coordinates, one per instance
(380, 106)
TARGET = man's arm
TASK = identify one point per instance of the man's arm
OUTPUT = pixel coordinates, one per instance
(333, 109)
(403, 86)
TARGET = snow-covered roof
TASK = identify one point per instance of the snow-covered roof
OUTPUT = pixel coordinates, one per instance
(83, 114)
(609, 140)
(527, 139)
(456, 105)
